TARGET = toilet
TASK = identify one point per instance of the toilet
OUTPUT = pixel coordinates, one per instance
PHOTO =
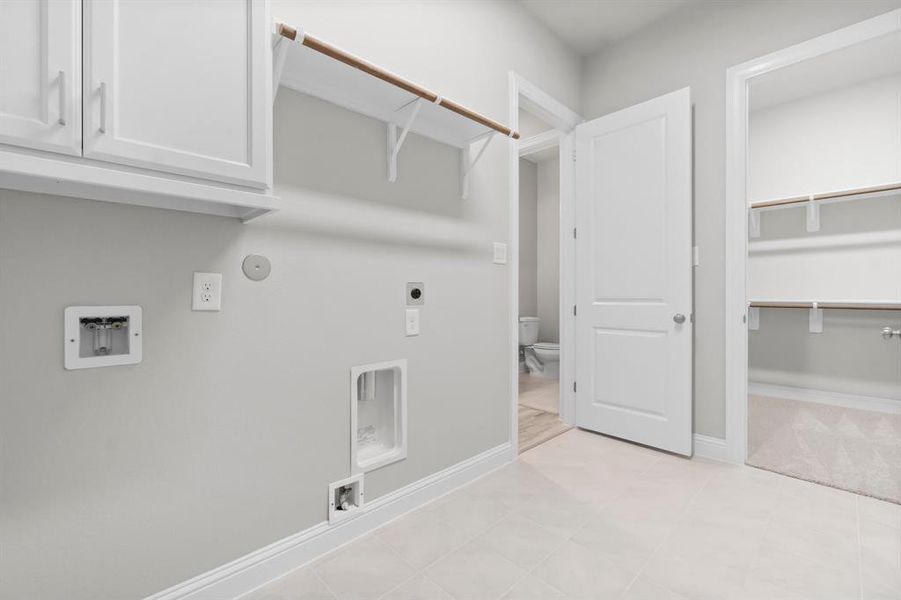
(541, 359)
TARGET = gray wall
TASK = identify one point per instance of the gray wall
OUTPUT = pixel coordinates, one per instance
(119, 482)
(528, 238)
(694, 48)
(548, 262)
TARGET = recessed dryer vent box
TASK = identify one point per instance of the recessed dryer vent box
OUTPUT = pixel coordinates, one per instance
(102, 336)
(378, 415)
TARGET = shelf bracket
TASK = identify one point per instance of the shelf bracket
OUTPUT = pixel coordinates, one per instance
(753, 318)
(816, 319)
(280, 56)
(395, 142)
(813, 215)
(466, 166)
(753, 223)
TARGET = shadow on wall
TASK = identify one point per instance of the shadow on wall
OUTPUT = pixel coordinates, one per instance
(330, 169)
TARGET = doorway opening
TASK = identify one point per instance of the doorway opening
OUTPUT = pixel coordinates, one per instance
(812, 243)
(539, 283)
(540, 209)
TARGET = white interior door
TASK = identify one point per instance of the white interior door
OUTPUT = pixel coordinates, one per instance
(180, 87)
(634, 273)
(40, 75)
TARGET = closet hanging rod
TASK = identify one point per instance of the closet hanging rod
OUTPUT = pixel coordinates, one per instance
(828, 304)
(318, 45)
(875, 189)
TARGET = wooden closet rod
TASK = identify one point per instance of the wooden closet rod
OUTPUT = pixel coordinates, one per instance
(827, 304)
(829, 195)
(318, 45)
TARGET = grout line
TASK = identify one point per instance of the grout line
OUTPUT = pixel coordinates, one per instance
(666, 537)
(322, 581)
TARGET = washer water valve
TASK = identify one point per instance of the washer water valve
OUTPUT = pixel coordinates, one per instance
(102, 336)
(102, 329)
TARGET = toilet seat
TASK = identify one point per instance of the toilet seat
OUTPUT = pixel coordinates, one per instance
(546, 346)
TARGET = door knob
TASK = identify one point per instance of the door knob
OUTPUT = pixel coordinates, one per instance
(679, 318)
(888, 333)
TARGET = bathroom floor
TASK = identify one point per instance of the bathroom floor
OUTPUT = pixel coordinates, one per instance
(584, 516)
(539, 408)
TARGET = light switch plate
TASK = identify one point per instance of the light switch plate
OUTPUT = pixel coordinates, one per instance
(207, 291)
(500, 253)
(412, 321)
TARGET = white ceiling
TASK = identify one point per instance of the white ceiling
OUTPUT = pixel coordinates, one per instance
(588, 25)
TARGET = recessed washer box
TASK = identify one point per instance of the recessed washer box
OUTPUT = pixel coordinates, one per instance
(378, 415)
(102, 336)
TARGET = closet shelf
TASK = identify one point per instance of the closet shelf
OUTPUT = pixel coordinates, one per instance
(850, 194)
(830, 304)
(309, 65)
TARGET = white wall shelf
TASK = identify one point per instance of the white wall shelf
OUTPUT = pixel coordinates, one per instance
(812, 203)
(815, 309)
(310, 66)
(831, 304)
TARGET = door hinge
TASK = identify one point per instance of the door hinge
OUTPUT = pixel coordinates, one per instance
(574, 387)
(574, 233)
(574, 156)
(574, 310)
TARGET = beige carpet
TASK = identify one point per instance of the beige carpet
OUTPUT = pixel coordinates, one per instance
(847, 448)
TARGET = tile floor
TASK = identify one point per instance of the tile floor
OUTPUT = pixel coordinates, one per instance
(587, 517)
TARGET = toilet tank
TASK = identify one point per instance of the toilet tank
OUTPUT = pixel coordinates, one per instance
(528, 330)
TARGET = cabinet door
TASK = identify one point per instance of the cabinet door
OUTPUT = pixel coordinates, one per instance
(40, 75)
(181, 87)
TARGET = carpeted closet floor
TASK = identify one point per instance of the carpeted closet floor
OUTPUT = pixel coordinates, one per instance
(847, 448)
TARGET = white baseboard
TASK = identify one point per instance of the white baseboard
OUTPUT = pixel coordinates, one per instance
(261, 566)
(712, 448)
(873, 403)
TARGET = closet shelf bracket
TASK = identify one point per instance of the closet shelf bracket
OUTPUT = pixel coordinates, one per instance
(753, 318)
(753, 223)
(816, 319)
(395, 142)
(467, 165)
(813, 214)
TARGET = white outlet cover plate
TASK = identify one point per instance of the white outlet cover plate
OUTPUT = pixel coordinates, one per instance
(207, 294)
(72, 325)
(412, 321)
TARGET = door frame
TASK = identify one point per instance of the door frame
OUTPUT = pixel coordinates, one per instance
(738, 79)
(526, 95)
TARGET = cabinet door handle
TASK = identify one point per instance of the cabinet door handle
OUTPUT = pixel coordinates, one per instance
(102, 107)
(63, 108)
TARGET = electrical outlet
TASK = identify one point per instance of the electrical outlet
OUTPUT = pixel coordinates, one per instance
(207, 291)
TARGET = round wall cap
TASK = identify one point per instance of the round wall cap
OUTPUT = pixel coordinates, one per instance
(257, 267)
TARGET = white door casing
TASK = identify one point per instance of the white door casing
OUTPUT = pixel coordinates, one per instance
(179, 87)
(40, 75)
(634, 273)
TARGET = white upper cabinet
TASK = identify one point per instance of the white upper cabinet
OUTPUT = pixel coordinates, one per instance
(179, 87)
(40, 75)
